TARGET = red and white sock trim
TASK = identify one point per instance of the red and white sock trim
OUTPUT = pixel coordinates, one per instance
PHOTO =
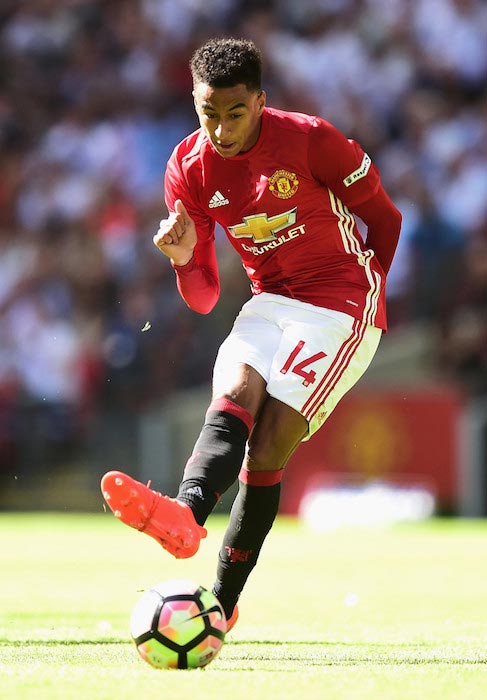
(234, 409)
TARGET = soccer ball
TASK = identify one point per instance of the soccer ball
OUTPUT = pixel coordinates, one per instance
(178, 624)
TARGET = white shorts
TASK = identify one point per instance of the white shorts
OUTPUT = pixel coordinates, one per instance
(309, 356)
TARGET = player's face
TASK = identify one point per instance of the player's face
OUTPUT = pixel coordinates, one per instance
(230, 116)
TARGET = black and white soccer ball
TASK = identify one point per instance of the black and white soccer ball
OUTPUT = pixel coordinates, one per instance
(178, 624)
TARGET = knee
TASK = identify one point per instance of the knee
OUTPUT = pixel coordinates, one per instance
(248, 403)
(247, 389)
(264, 455)
(276, 434)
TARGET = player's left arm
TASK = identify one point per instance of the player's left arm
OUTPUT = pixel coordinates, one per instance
(383, 220)
(341, 164)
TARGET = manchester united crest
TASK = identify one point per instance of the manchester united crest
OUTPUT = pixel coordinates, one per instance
(283, 184)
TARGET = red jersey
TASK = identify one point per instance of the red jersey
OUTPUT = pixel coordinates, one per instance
(285, 206)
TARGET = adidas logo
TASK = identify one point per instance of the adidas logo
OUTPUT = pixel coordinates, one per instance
(218, 200)
(195, 491)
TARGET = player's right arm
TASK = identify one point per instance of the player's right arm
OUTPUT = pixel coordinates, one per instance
(177, 237)
(187, 237)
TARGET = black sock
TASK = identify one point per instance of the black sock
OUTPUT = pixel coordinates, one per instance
(253, 513)
(217, 457)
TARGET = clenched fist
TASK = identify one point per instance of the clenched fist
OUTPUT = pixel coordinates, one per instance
(176, 236)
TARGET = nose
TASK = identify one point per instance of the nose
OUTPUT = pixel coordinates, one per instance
(222, 130)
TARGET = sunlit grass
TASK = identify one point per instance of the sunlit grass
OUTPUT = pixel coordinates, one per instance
(364, 614)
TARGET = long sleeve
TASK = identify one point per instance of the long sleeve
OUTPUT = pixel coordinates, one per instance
(342, 165)
(198, 281)
(383, 221)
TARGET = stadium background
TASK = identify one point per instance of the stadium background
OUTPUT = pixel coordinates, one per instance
(101, 364)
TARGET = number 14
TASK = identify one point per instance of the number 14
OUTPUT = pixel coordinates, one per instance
(309, 377)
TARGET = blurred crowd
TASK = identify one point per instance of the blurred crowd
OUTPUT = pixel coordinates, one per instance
(94, 94)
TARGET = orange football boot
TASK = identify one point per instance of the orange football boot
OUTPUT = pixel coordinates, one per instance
(232, 620)
(167, 520)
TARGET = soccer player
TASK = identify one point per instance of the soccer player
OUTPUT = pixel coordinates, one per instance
(285, 188)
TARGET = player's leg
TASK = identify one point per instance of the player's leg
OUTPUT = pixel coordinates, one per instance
(219, 451)
(213, 467)
(317, 362)
(239, 391)
(278, 431)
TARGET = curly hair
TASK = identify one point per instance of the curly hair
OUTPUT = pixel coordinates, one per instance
(227, 62)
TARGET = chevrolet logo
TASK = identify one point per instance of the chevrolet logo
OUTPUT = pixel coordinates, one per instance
(261, 228)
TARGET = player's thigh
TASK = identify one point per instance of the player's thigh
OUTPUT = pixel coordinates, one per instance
(245, 387)
(276, 434)
(243, 364)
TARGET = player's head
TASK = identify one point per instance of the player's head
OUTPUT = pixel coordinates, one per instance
(225, 63)
(227, 92)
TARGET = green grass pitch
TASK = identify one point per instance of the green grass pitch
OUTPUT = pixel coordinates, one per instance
(398, 614)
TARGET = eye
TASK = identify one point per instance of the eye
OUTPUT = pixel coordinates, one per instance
(236, 116)
(209, 116)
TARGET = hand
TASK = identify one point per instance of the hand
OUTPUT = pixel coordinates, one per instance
(176, 236)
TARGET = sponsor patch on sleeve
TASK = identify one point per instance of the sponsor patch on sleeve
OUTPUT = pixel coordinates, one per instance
(359, 173)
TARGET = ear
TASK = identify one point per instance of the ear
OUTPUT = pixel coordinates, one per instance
(261, 98)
